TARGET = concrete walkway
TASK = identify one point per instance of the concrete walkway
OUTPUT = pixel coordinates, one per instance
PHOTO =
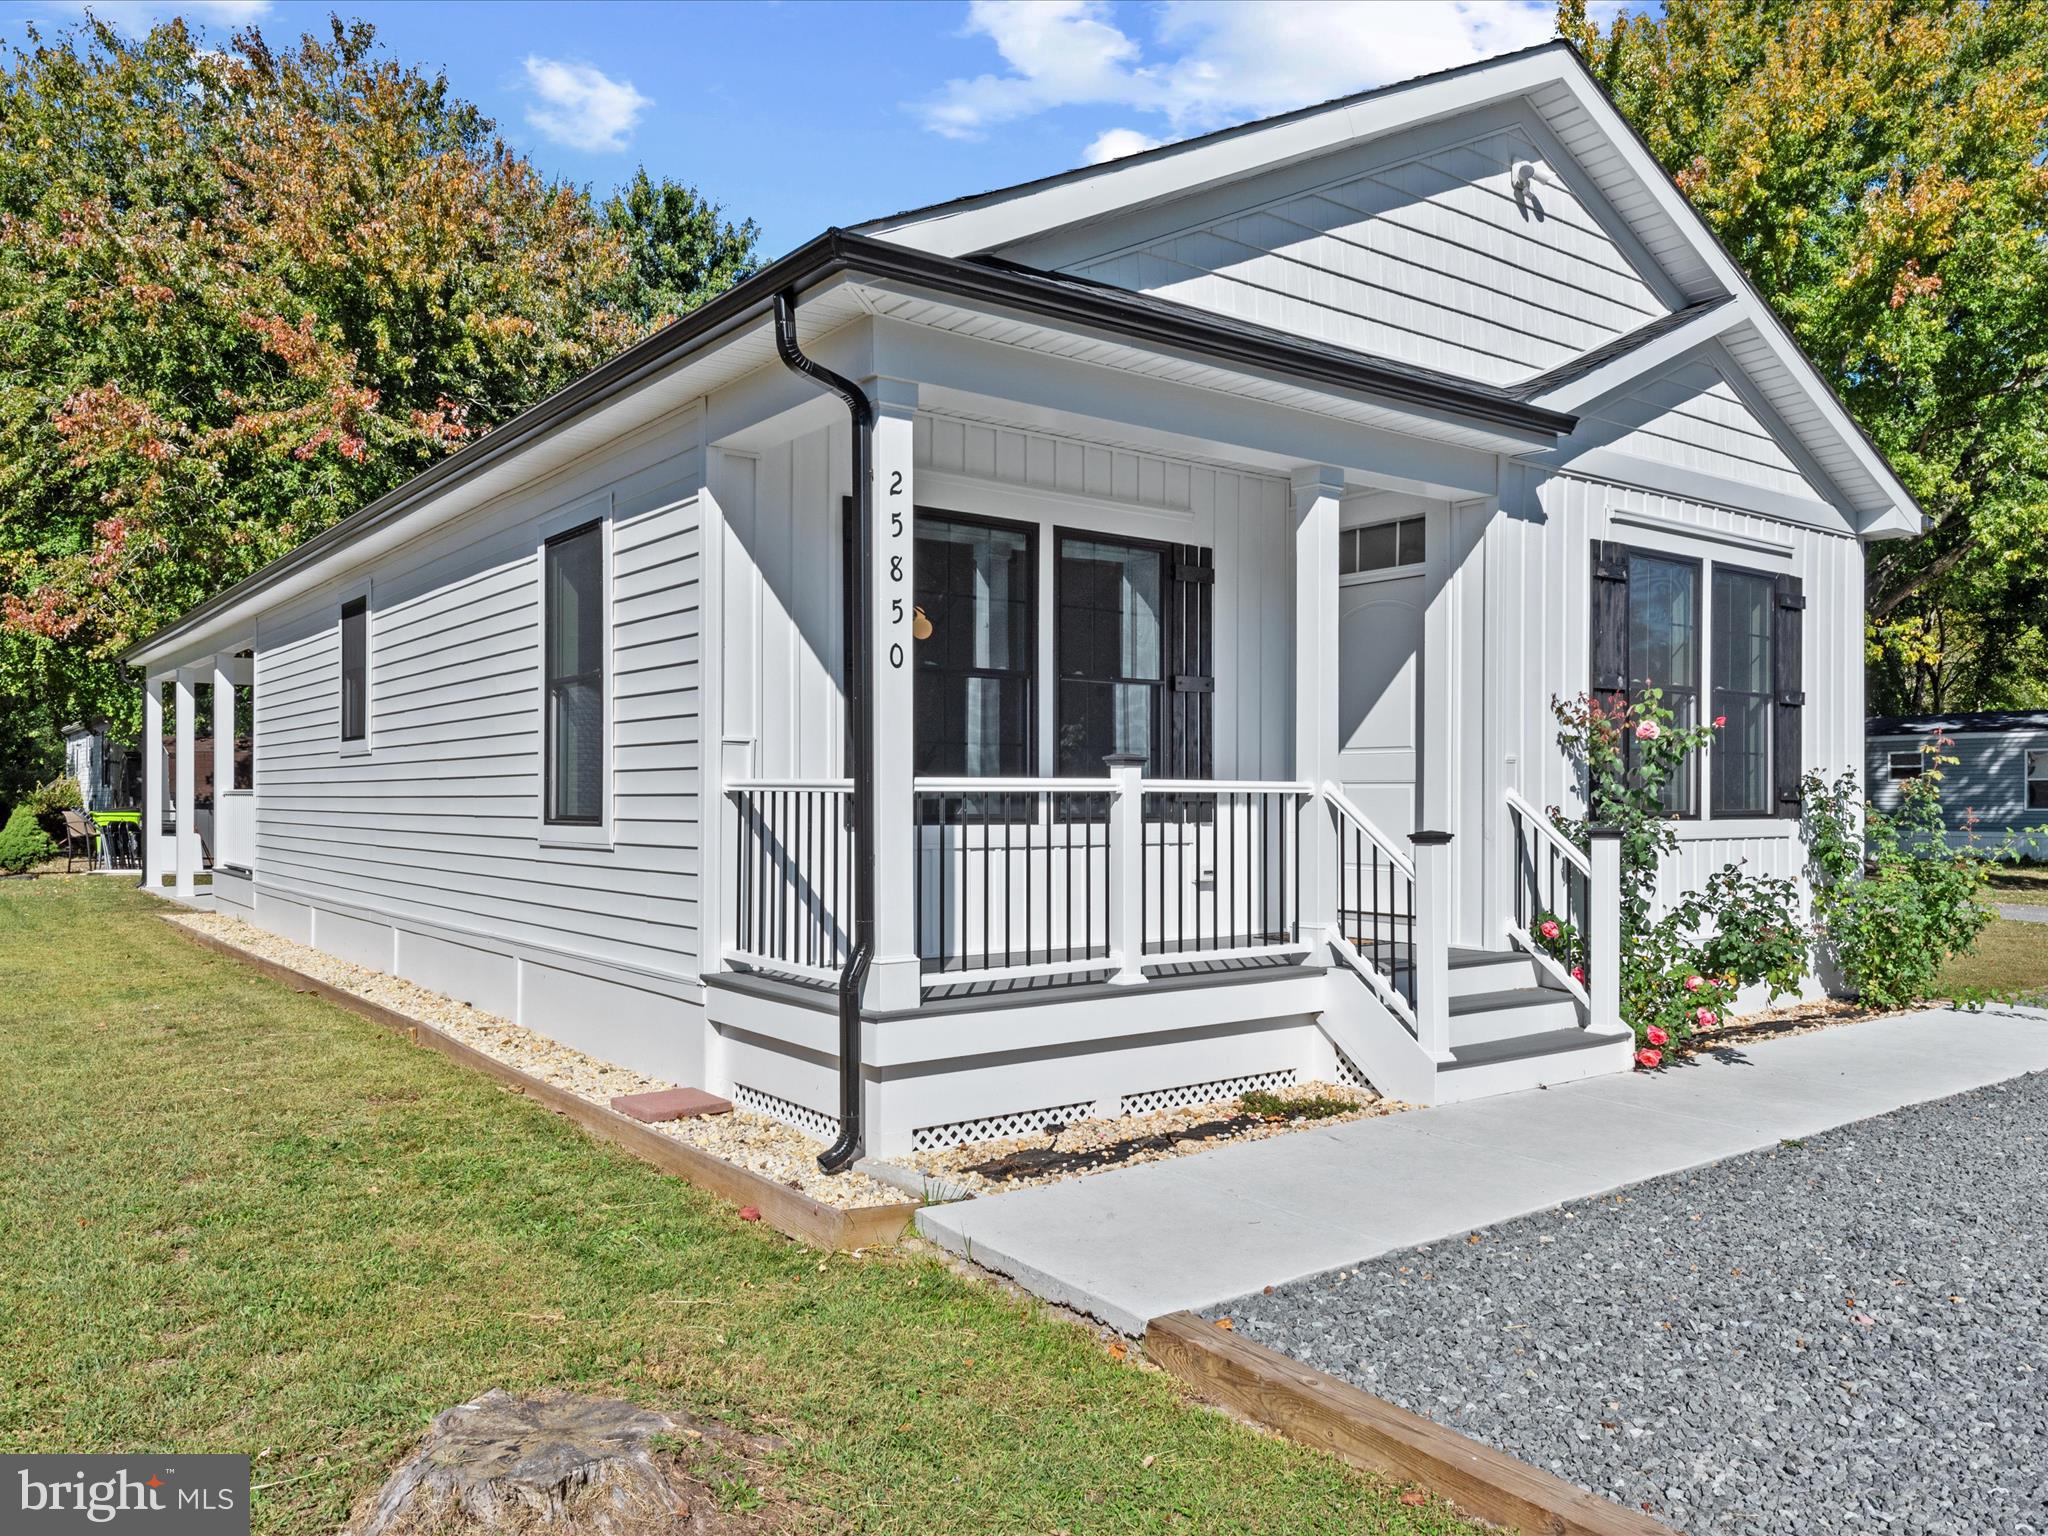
(1129, 1245)
(2020, 912)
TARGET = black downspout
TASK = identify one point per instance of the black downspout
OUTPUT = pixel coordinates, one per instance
(142, 843)
(860, 706)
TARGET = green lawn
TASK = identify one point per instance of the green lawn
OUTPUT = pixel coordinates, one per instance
(233, 1217)
(2011, 959)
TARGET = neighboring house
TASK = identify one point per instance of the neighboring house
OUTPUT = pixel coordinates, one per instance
(109, 773)
(1230, 513)
(1997, 783)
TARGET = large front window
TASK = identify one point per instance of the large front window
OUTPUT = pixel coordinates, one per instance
(974, 588)
(1111, 632)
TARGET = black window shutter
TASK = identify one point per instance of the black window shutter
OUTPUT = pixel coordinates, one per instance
(1190, 667)
(1788, 684)
(1610, 619)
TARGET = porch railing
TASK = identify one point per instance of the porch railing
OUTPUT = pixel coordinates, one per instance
(1553, 886)
(1376, 908)
(791, 887)
(1012, 878)
(1222, 870)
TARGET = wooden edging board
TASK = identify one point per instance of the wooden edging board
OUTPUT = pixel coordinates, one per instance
(787, 1210)
(1349, 1422)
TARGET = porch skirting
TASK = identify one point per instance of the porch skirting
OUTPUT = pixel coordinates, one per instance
(976, 1068)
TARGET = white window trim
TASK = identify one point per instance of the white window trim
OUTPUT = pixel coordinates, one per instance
(365, 744)
(599, 509)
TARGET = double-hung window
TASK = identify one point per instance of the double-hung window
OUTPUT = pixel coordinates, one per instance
(573, 706)
(355, 669)
(1111, 614)
(1900, 766)
(1744, 693)
(974, 670)
(2037, 781)
(1651, 629)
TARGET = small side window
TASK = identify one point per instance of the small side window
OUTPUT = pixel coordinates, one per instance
(1905, 765)
(355, 669)
(2037, 781)
(574, 705)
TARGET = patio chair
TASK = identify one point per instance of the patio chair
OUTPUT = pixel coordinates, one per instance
(81, 839)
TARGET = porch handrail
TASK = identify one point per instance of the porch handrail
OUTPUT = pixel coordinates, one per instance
(813, 784)
(1576, 909)
(1383, 970)
(1341, 804)
(1015, 784)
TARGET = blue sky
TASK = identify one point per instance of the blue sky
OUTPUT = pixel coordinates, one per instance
(808, 114)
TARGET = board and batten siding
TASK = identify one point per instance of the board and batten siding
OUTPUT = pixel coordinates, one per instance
(1427, 255)
(783, 708)
(425, 853)
(1540, 565)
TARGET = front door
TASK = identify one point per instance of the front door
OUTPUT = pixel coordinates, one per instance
(1382, 599)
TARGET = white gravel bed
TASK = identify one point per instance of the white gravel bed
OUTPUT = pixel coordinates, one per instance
(750, 1141)
(955, 1165)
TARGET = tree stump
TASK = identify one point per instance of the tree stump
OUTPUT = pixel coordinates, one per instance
(505, 1463)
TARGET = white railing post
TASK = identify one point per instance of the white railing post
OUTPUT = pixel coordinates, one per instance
(1603, 950)
(186, 838)
(1127, 868)
(1433, 942)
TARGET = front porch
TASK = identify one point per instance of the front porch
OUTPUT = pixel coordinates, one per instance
(1180, 778)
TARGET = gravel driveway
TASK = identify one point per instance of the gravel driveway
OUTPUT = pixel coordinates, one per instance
(1848, 1334)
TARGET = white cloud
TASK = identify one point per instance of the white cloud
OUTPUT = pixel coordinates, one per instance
(1115, 143)
(1213, 62)
(580, 105)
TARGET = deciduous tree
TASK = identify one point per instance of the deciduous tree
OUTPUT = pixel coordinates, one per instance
(1877, 167)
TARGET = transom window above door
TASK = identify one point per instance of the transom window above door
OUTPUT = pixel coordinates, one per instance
(1382, 547)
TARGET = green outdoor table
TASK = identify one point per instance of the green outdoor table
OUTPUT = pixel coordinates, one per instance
(110, 819)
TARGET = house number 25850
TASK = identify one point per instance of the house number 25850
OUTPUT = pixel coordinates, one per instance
(896, 532)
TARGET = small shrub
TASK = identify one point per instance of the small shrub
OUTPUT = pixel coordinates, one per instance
(1892, 901)
(60, 794)
(23, 842)
(1271, 1106)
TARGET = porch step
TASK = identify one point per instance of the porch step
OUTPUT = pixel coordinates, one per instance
(1480, 971)
(1480, 1019)
(1539, 1060)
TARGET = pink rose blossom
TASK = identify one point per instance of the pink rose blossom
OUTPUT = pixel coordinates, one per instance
(1707, 1018)
(1648, 731)
(1649, 1058)
(1719, 721)
(1694, 983)
(1548, 928)
(1579, 974)
(1656, 1036)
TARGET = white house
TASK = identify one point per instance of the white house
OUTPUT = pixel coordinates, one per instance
(1204, 535)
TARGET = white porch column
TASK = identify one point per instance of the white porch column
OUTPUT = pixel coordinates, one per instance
(893, 976)
(1433, 942)
(150, 843)
(187, 857)
(1317, 489)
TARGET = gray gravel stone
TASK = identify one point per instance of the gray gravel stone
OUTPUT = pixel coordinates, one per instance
(1847, 1334)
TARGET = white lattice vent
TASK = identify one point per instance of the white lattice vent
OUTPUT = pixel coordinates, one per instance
(812, 1122)
(1023, 1122)
(1204, 1093)
(1348, 1073)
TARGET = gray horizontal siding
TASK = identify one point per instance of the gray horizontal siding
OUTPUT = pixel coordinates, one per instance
(1983, 791)
(439, 820)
